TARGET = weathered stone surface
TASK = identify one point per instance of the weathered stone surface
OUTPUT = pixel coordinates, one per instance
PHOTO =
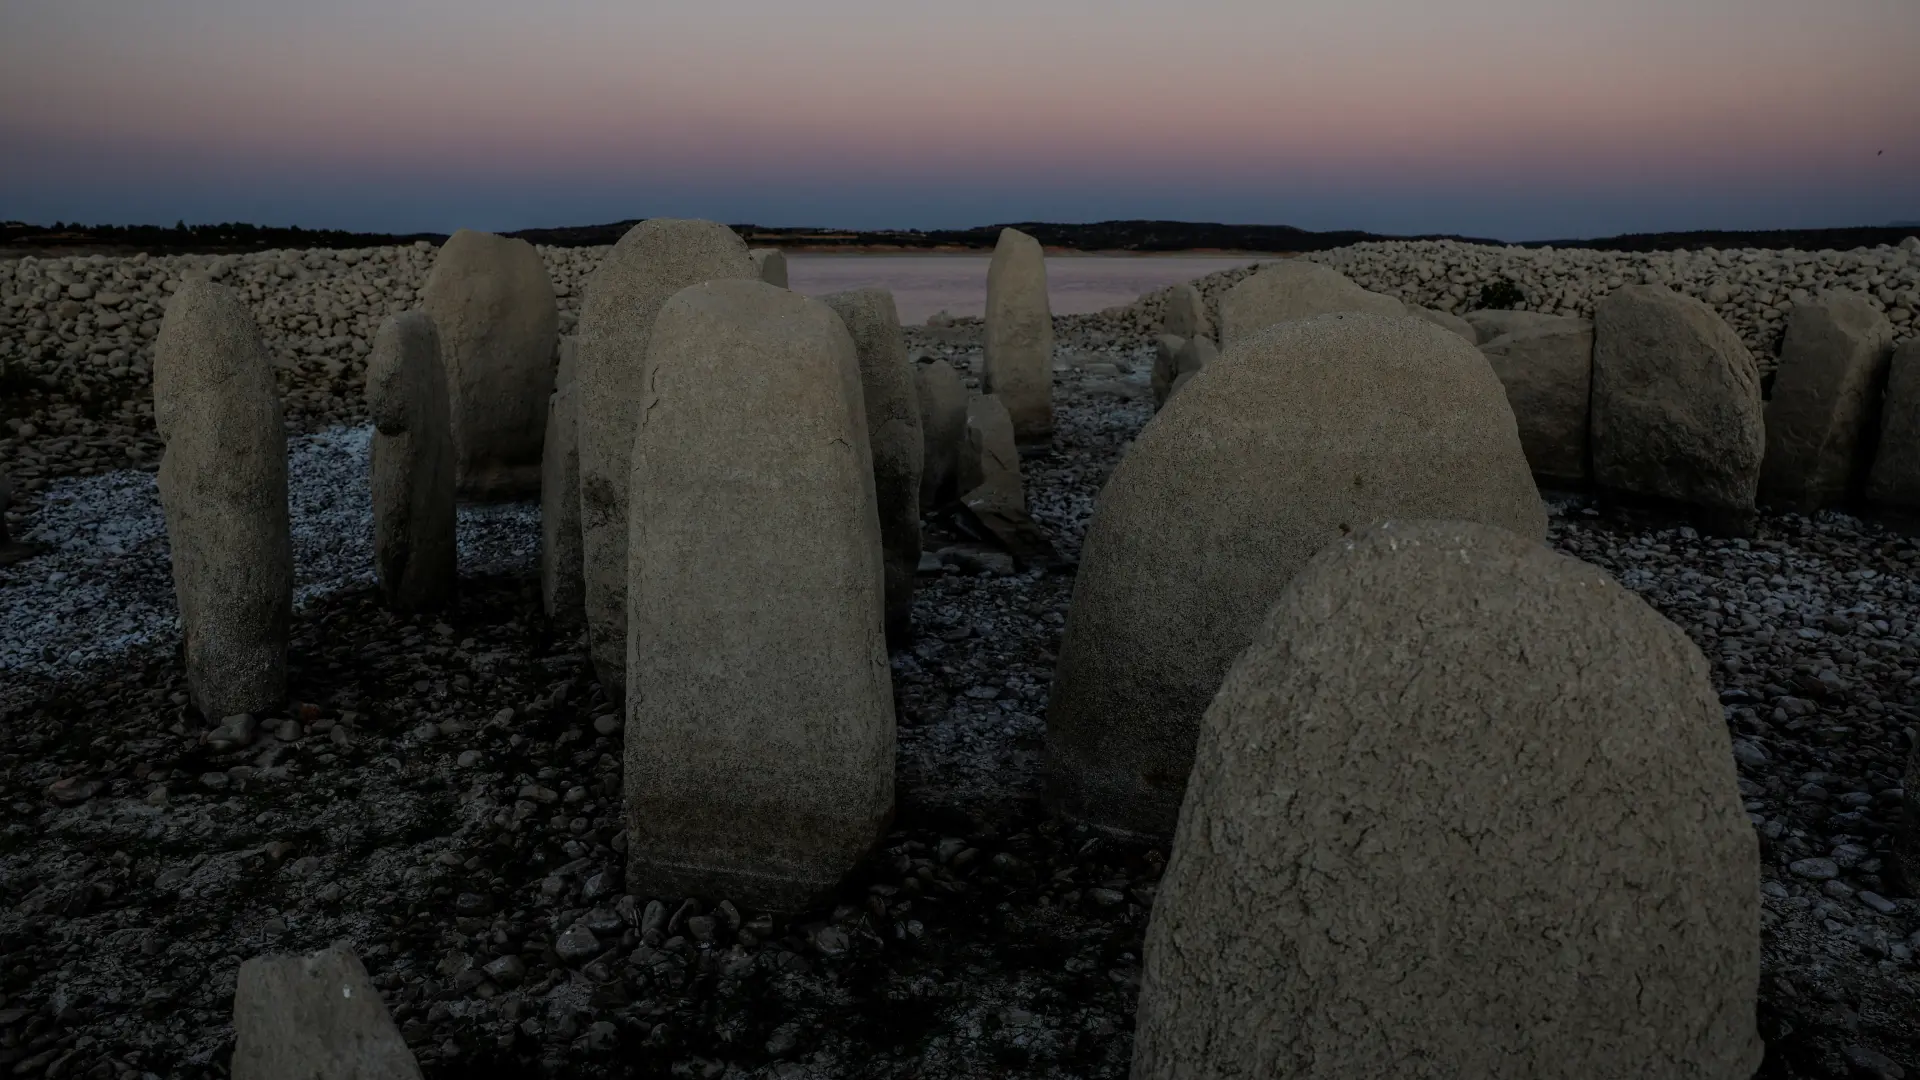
(560, 572)
(943, 427)
(1446, 320)
(759, 750)
(991, 458)
(223, 487)
(1166, 350)
(1019, 343)
(893, 438)
(1895, 479)
(654, 260)
(1293, 438)
(314, 1017)
(1490, 323)
(493, 305)
(1187, 314)
(1294, 289)
(1449, 769)
(1547, 368)
(1193, 357)
(773, 265)
(1821, 421)
(1676, 411)
(414, 552)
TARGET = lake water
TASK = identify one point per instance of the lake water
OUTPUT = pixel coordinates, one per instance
(957, 284)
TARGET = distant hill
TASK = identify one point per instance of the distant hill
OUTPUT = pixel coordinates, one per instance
(1137, 236)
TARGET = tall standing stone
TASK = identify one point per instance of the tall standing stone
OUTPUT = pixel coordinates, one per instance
(223, 487)
(772, 263)
(1826, 403)
(314, 1017)
(1547, 369)
(1019, 346)
(1895, 480)
(1676, 411)
(943, 427)
(560, 584)
(759, 748)
(1463, 807)
(1186, 313)
(414, 551)
(654, 260)
(493, 304)
(990, 455)
(1294, 289)
(1296, 437)
(894, 439)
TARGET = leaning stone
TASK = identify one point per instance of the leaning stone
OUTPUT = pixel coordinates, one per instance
(1826, 401)
(1294, 289)
(1451, 767)
(654, 260)
(1895, 480)
(773, 265)
(1447, 320)
(1294, 438)
(1547, 369)
(314, 1017)
(990, 457)
(223, 487)
(1676, 411)
(759, 748)
(1491, 323)
(1186, 313)
(414, 554)
(943, 428)
(1019, 343)
(560, 582)
(1166, 351)
(893, 438)
(493, 304)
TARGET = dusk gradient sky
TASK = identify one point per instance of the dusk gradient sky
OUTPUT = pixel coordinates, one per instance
(1514, 119)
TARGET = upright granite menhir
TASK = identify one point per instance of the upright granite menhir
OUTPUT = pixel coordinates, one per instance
(1019, 346)
(414, 552)
(760, 729)
(654, 260)
(493, 305)
(1823, 418)
(223, 487)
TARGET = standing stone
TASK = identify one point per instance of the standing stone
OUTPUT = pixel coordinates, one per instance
(1676, 411)
(654, 260)
(1296, 437)
(1447, 320)
(773, 265)
(1019, 346)
(1186, 313)
(1464, 807)
(1547, 369)
(1294, 289)
(314, 1017)
(1491, 323)
(1895, 480)
(759, 749)
(894, 439)
(943, 427)
(414, 552)
(493, 304)
(991, 458)
(1193, 357)
(223, 487)
(560, 584)
(1166, 351)
(1826, 402)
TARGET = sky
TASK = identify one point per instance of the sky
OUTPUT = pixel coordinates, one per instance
(1509, 119)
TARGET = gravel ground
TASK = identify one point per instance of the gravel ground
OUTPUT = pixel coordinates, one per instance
(444, 795)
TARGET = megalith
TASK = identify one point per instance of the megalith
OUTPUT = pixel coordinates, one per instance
(1895, 480)
(493, 305)
(654, 260)
(316, 1017)
(1449, 771)
(943, 429)
(990, 457)
(1294, 289)
(1447, 320)
(415, 556)
(223, 489)
(772, 264)
(1675, 411)
(1297, 436)
(1193, 355)
(1166, 349)
(1186, 313)
(560, 582)
(1019, 342)
(1547, 369)
(760, 728)
(893, 438)
(1821, 422)
(1490, 323)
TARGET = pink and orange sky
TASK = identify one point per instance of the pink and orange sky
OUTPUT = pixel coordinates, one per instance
(1514, 119)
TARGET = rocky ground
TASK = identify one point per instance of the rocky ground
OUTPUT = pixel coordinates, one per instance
(444, 794)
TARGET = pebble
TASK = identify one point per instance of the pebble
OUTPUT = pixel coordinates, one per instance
(1815, 869)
